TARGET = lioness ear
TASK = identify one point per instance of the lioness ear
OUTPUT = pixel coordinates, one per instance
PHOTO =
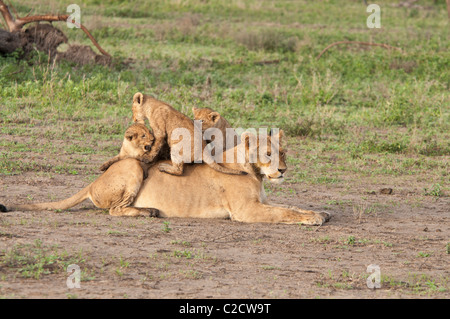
(214, 116)
(138, 98)
(248, 139)
(280, 133)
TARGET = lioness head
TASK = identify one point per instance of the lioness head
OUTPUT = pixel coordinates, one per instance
(266, 155)
(138, 140)
(138, 108)
(208, 117)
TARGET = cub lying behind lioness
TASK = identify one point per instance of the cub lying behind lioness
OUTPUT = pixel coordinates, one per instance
(212, 119)
(137, 141)
(116, 188)
(164, 121)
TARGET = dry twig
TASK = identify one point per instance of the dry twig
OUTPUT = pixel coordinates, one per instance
(383, 45)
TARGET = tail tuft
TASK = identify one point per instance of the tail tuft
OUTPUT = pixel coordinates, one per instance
(3, 209)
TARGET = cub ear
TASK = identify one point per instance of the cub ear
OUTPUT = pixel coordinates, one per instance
(214, 116)
(194, 110)
(138, 98)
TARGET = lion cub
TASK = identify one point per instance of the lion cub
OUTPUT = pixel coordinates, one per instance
(212, 119)
(137, 142)
(164, 120)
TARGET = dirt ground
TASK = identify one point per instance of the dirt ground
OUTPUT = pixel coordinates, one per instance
(194, 258)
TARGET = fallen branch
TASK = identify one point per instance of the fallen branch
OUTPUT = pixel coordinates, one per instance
(267, 62)
(448, 8)
(16, 24)
(407, 4)
(382, 45)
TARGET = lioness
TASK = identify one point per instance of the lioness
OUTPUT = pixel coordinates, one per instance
(116, 188)
(164, 119)
(212, 119)
(203, 192)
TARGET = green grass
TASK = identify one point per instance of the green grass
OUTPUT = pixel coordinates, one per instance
(165, 228)
(36, 260)
(416, 284)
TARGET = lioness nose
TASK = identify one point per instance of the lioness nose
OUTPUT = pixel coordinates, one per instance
(148, 147)
(282, 170)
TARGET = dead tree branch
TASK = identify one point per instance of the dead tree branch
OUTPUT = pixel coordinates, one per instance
(16, 24)
(448, 8)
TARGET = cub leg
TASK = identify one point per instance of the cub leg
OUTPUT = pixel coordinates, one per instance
(160, 140)
(107, 164)
(122, 207)
(174, 169)
(133, 211)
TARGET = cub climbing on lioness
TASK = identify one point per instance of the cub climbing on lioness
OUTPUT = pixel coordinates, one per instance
(164, 120)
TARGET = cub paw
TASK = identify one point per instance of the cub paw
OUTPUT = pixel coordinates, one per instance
(105, 166)
(164, 167)
(150, 212)
(169, 169)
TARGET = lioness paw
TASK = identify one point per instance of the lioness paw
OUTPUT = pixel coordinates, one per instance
(317, 219)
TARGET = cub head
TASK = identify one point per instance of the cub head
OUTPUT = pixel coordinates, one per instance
(138, 140)
(266, 155)
(208, 117)
(138, 108)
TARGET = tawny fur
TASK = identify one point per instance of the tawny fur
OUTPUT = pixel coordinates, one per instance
(137, 141)
(163, 120)
(200, 193)
(116, 188)
(204, 193)
(212, 119)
